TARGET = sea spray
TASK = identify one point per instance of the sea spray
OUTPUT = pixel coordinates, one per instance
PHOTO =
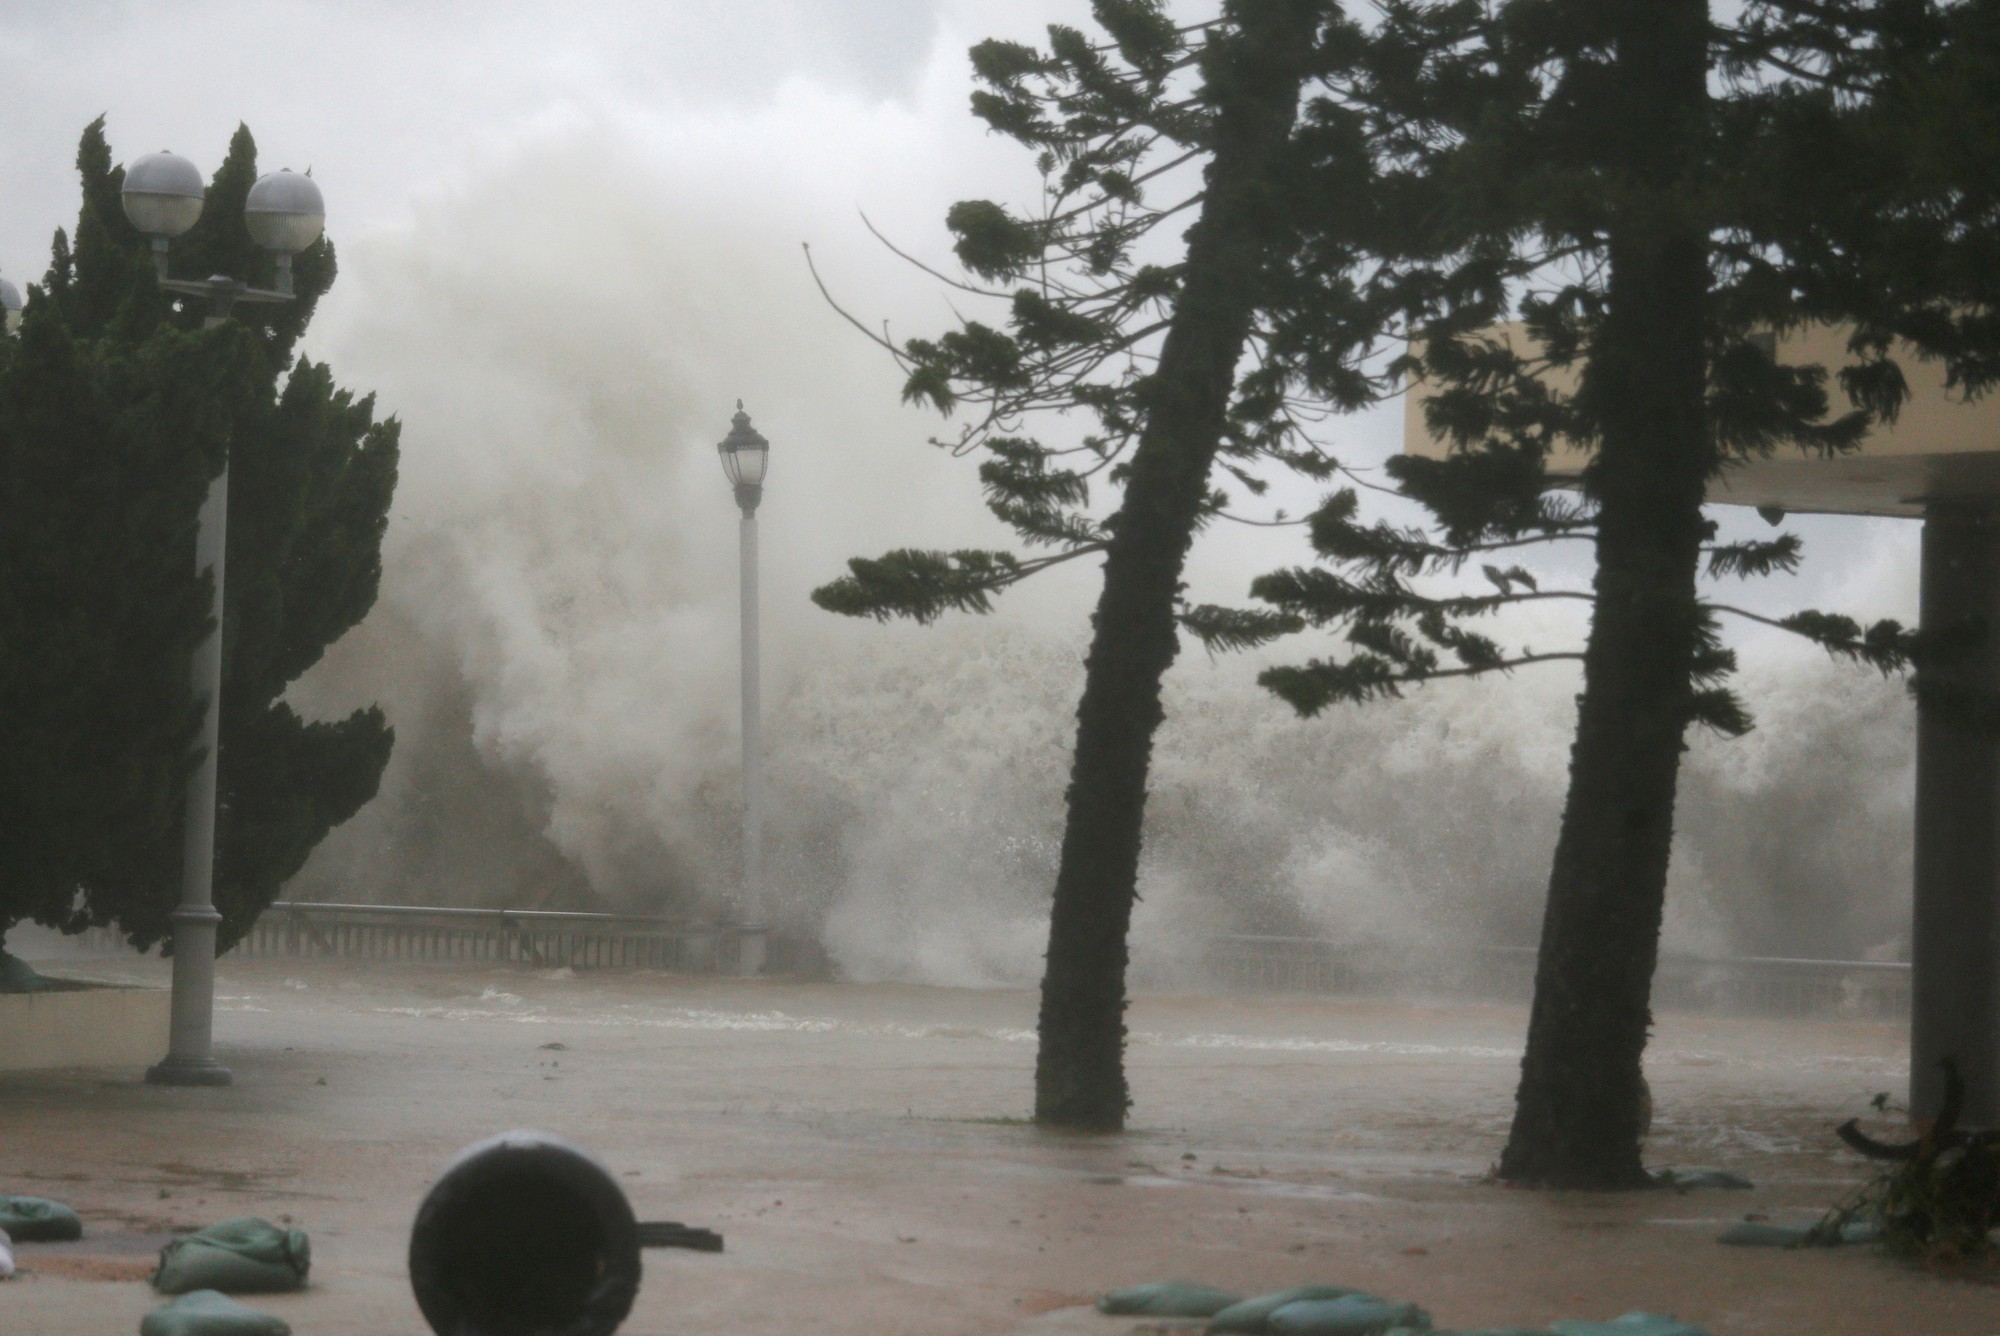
(556, 637)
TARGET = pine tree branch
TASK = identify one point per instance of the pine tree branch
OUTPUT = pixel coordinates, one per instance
(912, 260)
(1320, 683)
(1277, 521)
(1885, 645)
(879, 340)
(923, 585)
(1505, 665)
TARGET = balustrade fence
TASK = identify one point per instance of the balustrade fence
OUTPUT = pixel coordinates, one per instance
(545, 939)
(1249, 963)
(1769, 985)
(542, 938)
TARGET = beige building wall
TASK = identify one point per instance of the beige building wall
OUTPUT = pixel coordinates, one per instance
(1941, 447)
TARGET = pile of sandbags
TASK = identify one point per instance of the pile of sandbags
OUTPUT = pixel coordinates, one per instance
(241, 1255)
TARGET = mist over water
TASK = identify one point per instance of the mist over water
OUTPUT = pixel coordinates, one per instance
(564, 330)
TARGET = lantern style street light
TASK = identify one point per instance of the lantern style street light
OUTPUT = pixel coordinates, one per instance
(163, 197)
(745, 455)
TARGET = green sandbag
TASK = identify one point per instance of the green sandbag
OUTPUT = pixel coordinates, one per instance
(1252, 1314)
(38, 1220)
(1632, 1324)
(243, 1255)
(1168, 1298)
(1352, 1315)
(1685, 1180)
(1760, 1234)
(1481, 1331)
(209, 1313)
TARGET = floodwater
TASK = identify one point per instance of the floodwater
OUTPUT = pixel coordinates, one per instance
(864, 1151)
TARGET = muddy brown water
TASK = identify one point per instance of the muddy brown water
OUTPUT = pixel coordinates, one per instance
(864, 1151)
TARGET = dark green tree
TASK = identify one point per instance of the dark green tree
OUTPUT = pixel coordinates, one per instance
(1646, 191)
(111, 370)
(1235, 128)
(106, 448)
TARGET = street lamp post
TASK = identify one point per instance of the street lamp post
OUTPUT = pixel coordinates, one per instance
(745, 454)
(163, 196)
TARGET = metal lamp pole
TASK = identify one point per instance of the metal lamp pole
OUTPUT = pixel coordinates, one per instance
(285, 213)
(745, 455)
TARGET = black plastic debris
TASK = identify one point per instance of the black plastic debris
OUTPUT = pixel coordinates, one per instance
(674, 1234)
(524, 1234)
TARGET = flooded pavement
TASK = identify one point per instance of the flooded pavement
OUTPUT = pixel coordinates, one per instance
(865, 1152)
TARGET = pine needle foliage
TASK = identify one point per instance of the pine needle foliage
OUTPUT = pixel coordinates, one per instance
(1494, 103)
(1083, 289)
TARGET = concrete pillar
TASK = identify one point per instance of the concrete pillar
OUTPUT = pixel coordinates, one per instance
(1955, 946)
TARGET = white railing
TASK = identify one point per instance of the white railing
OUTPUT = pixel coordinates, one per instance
(1762, 984)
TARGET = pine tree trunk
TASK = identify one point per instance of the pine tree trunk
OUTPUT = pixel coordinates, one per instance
(1254, 84)
(1577, 1119)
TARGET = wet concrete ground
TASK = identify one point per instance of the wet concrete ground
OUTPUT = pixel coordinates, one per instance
(864, 1152)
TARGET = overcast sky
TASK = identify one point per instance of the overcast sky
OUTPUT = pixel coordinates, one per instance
(411, 111)
(386, 98)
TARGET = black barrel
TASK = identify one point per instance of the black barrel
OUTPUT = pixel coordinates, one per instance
(524, 1235)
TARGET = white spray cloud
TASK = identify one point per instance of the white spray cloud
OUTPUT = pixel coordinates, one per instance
(569, 241)
(564, 333)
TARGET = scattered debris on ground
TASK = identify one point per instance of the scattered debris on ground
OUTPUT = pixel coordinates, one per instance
(674, 1234)
(1936, 1199)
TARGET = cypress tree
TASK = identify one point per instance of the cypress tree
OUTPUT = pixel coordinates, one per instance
(105, 449)
(110, 368)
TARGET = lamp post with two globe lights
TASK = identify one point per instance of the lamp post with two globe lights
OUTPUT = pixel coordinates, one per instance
(745, 456)
(285, 213)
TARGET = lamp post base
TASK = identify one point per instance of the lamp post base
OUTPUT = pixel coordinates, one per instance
(185, 1072)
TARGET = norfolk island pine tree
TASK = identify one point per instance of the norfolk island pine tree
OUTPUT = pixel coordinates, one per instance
(1700, 221)
(1186, 372)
